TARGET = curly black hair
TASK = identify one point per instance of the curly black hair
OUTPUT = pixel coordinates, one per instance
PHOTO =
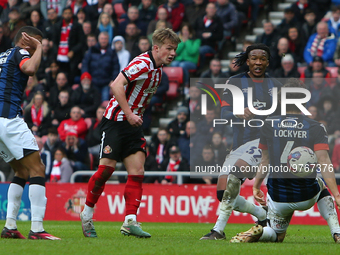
(243, 56)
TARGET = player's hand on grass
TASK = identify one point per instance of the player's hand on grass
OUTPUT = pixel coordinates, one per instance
(30, 42)
(259, 196)
(134, 120)
(248, 115)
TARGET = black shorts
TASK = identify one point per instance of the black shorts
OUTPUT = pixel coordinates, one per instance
(120, 139)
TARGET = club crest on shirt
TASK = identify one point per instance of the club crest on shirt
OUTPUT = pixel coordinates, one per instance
(24, 52)
(107, 149)
(132, 70)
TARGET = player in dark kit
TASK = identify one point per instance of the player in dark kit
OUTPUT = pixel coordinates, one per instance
(122, 136)
(18, 146)
(245, 151)
(286, 192)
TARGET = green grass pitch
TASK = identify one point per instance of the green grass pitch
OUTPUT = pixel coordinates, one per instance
(167, 238)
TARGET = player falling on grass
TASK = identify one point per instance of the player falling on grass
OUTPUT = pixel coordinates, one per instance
(286, 192)
(122, 135)
(245, 138)
(18, 146)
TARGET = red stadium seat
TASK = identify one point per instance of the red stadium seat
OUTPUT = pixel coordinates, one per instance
(175, 75)
(302, 69)
(88, 122)
(105, 103)
(75, 86)
(119, 10)
(333, 71)
(44, 139)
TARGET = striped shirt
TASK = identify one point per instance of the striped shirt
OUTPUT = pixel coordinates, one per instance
(143, 80)
(279, 137)
(12, 81)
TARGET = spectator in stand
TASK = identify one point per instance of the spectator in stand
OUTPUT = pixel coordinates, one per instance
(91, 41)
(234, 69)
(143, 46)
(185, 139)
(162, 14)
(322, 44)
(62, 110)
(159, 25)
(205, 128)
(336, 158)
(288, 68)
(219, 149)
(175, 13)
(317, 65)
(12, 26)
(337, 54)
(87, 28)
(318, 88)
(37, 115)
(4, 17)
(67, 43)
(77, 5)
(131, 37)
(300, 8)
(214, 73)
(57, 5)
(336, 89)
(296, 45)
(193, 103)
(33, 86)
(75, 124)
(187, 53)
(334, 21)
(150, 165)
(86, 97)
(105, 24)
(228, 15)
(118, 45)
(209, 28)
(51, 77)
(281, 51)
(323, 6)
(177, 126)
(81, 16)
(51, 19)
(62, 169)
(327, 109)
(159, 146)
(36, 20)
(94, 135)
(309, 25)
(46, 60)
(76, 151)
(158, 98)
(47, 152)
(287, 22)
(133, 17)
(147, 11)
(108, 8)
(270, 35)
(207, 160)
(5, 42)
(93, 11)
(27, 7)
(102, 63)
(175, 163)
(195, 10)
(61, 84)
(314, 113)
(242, 8)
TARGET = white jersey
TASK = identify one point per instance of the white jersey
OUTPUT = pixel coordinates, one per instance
(143, 80)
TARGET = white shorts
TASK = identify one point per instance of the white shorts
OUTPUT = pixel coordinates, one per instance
(280, 214)
(249, 152)
(16, 139)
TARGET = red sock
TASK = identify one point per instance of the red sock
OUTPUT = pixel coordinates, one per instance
(133, 193)
(97, 183)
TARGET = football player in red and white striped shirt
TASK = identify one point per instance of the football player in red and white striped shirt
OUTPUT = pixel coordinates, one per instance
(122, 134)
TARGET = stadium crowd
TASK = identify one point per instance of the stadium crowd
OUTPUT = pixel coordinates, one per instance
(87, 43)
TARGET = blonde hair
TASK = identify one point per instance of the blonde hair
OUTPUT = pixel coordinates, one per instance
(100, 19)
(161, 35)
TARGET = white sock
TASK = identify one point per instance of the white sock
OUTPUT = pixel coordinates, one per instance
(268, 235)
(228, 202)
(244, 206)
(88, 212)
(129, 217)
(38, 200)
(13, 205)
(327, 210)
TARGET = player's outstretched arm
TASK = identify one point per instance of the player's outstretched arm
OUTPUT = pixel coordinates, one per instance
(327, 173)
(260, 176)
(30, 67)
(117, 87)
